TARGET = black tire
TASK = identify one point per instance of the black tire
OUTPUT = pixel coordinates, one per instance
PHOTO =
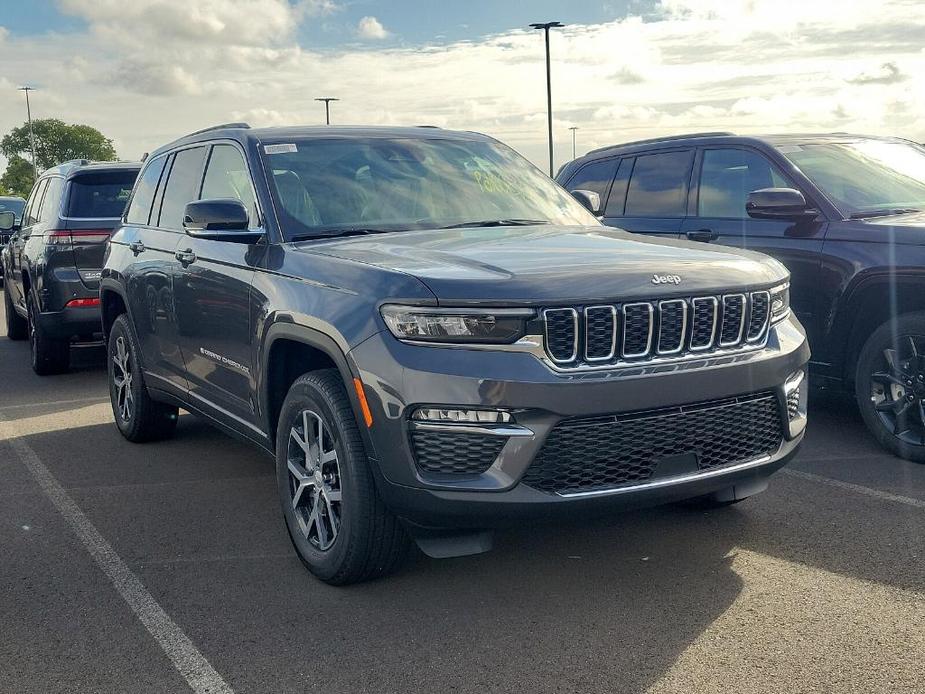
(49, 355)
(138, 417)
(889, 386)
(17, 328)
(367, 540)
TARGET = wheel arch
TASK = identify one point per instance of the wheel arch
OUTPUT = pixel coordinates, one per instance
(112, 305)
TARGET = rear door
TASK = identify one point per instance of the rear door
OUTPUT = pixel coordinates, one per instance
(30, 223)
(649, 193)
(726, 176)
(94, 204)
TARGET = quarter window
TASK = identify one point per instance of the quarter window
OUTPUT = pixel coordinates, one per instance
(658, 186)
(728, 176)
(139, 211)
(31, 215)
(182, 186)
(52, 201)
(227, 177)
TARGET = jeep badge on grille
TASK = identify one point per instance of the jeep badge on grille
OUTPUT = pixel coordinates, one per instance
(666, 279)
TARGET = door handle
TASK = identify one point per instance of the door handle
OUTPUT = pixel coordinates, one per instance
(186, 257)
(136, 247)
(704, 235)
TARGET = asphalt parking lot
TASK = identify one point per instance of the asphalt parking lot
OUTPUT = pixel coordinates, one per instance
(163, 567)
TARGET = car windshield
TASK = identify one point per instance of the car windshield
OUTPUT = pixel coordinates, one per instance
(14, 205)
(864, 177)
(336, 186)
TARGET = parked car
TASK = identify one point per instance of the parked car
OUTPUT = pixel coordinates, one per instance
(15, 205)
(432, 338)
(844, 213)
(52, 262)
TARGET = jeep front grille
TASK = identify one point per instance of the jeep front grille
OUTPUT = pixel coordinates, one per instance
(618, 334)
(598, 453)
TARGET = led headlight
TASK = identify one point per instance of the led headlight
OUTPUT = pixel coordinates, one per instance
(448, 325)
(780, 302)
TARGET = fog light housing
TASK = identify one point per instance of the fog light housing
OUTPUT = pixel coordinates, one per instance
(461, 416)
(796, 396)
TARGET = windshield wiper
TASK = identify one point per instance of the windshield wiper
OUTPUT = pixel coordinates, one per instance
(497, 223)
(883, 213)
(334, 233)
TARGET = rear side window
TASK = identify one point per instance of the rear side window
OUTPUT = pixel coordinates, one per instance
(658, 186)
(35, 202)
(139, 209)
(182, 186)
(51, 205)
(595, 177)
(100, 195)
(227, 177)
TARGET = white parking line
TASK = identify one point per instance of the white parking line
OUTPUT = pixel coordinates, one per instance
(857, 488)
(192, 665)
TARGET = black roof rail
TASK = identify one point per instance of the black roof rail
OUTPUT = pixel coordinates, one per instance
(220, 126)
(76, 162)
(667, 138)
(429, 126)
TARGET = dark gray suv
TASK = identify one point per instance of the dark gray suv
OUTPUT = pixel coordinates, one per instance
(53, 259)
(433, 339)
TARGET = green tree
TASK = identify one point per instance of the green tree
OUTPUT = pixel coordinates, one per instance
(57, 141)
(18, 177)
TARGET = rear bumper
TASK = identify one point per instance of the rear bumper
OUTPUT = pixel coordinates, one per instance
(72, 322)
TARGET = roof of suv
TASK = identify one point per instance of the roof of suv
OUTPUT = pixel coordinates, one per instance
(243, 133)
(75, 166)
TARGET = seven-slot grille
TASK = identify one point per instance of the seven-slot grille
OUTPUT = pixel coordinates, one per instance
(601, 335)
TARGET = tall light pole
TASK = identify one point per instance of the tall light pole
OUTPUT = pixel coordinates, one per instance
(573, 129)
(35, 168)
(327, 107)
(546, 26)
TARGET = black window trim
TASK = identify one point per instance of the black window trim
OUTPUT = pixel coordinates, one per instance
(157, 186)
(690, 179)
(159, 194)
(38, 190)
(49, 179)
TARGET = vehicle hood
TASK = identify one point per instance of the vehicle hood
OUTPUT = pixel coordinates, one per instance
(554, 264)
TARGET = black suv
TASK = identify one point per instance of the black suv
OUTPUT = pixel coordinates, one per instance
(52, 262)
(433, 338)
(844, 213)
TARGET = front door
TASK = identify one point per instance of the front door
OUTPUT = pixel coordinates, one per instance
(726, 177)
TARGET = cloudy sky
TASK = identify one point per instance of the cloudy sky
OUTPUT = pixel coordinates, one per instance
(147, 71)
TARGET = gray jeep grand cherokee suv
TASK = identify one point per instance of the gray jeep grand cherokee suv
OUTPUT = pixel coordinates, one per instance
(434, 339)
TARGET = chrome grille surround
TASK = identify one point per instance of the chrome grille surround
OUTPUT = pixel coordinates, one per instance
(642, 336)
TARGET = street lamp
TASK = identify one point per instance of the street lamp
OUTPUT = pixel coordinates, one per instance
(327, 107)
(573, 129)
(35, 168)
(546, 26)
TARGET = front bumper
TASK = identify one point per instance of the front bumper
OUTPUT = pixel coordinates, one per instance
(399, 377)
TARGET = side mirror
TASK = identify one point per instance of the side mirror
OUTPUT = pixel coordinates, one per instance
(7, 220)
(219, 219)
(778, 203)
(589, 199)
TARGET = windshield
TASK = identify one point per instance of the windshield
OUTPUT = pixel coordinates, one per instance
(864, 176)
(14, 205)
(332, 186)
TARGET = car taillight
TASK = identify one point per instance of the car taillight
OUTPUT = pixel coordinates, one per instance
(69, 237)
(83, 303)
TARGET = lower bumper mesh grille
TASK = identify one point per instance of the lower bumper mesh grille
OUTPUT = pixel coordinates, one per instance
(608, 452)
(455, 453)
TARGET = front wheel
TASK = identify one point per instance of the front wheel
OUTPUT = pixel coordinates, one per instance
(340, 528)
(890, 386)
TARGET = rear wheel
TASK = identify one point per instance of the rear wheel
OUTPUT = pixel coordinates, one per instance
(890, 386)
(138, 417)
(49, 355)
(339, 526)
(17, 328)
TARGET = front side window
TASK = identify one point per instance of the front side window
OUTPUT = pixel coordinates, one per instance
(595, 177)
(864, 178)
(658, 186)
(331, 185)
(139, 210)
(728, 176)
(51, 204)
(100, 195)
(182, 186)
(227, 177)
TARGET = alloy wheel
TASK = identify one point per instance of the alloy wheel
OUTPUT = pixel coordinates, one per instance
(122, 379)
(898, 389)
(314, 480)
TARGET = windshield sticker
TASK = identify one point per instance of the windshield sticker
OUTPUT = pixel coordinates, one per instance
(280, 149)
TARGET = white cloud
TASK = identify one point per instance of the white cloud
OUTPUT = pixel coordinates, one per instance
(742, 66)
(371, 28)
